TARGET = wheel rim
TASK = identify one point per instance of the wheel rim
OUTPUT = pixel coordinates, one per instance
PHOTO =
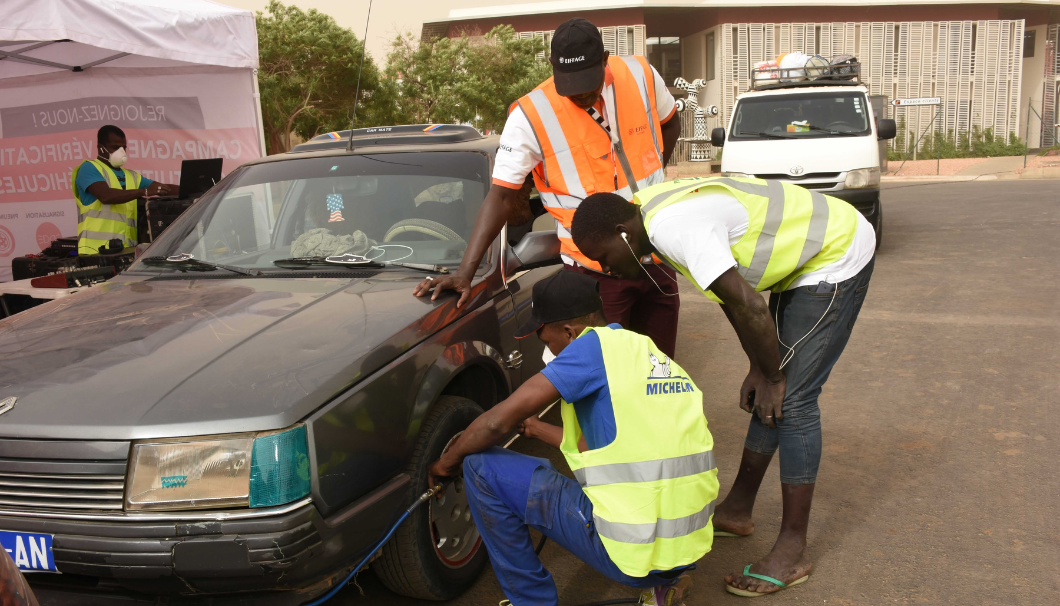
(453, 532)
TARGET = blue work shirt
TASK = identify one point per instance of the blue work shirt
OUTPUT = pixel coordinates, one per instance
(578, 375)
(89, 174)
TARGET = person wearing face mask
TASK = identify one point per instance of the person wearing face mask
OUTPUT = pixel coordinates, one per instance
(106, 194)
(635, 436)
(600, 124)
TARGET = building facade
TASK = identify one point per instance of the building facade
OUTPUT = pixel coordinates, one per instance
(994, 64)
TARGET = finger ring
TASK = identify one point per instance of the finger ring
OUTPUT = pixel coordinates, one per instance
(769, 416)
(428, 278)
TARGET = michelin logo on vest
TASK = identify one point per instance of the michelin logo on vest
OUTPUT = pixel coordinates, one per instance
(669, 384)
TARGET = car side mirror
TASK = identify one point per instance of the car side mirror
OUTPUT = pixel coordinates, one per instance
(886, 129)
(717, 137)
(536, 249)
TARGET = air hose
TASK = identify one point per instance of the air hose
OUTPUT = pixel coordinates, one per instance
(423, 498)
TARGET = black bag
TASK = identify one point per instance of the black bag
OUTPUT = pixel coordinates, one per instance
(844, 67)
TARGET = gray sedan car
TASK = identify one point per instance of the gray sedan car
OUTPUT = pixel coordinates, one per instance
(245, 411)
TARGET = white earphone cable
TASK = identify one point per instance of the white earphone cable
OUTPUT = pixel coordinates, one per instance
(625, 239)
(776, 320)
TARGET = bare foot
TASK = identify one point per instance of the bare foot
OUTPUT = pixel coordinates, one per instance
(788, 562)
(727, 519)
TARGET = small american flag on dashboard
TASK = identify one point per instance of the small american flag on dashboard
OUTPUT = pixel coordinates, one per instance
(335, 206)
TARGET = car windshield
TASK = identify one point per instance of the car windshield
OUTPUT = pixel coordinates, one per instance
(801, 116)
(396, 207)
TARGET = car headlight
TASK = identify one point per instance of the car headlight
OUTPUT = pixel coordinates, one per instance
(724, 174)
(862, 178)
(259, 470)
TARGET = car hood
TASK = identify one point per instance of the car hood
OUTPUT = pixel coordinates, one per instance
(136, 358)
(814, 155)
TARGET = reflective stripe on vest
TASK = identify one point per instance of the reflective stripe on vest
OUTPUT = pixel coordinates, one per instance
(662, 529)
(98, 224)
(646, 471)
(652, 499)
(791, 230)
(577, 152)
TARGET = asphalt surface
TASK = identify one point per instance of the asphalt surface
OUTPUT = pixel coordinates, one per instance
(939, 478)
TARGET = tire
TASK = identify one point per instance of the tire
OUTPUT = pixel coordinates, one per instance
(410, 564)
(877, 225)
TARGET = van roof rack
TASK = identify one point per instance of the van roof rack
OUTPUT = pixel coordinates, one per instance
(771, 78)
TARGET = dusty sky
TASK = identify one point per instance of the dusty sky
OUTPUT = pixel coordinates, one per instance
(389, 17)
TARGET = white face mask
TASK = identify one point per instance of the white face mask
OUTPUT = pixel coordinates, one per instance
(547, 355)
(118, 158)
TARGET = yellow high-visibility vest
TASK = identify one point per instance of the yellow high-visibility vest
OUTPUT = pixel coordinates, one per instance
(791, 230)
(653, 488)
(99, 223)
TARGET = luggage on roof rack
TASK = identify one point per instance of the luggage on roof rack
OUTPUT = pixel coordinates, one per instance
(797, 69)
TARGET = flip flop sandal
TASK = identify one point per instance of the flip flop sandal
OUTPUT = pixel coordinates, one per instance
(726, 533)
(754, 594)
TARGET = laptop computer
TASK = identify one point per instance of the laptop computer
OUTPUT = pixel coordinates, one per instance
(197, 176)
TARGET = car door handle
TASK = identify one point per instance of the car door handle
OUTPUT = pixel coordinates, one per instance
(515, 360)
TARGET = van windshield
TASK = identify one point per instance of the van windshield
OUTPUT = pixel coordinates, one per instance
(395, 207)
(801, 116)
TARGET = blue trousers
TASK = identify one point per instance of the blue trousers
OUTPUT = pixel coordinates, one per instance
(510, 493)
(798, 435)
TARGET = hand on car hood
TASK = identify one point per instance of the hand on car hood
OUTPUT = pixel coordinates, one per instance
(135, 358)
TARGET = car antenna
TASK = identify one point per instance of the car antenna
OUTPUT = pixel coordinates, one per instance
(357, 94)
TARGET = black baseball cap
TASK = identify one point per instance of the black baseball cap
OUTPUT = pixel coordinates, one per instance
(561, 296)
(578, 57)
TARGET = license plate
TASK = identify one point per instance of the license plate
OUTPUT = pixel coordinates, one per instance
(30, 552)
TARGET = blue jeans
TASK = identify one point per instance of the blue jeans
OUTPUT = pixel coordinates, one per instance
(798, 435)
(509, 493)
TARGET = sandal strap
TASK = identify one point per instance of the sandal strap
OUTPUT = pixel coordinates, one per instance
(747, 573)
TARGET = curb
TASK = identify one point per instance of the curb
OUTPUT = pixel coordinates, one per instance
(1049, 172)
(938, 178)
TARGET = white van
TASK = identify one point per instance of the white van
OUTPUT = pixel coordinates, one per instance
(820, 134)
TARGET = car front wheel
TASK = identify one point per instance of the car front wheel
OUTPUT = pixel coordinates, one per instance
(437, 553)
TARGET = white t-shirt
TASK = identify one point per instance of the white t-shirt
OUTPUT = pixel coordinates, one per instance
(701, 236)
(520, 150)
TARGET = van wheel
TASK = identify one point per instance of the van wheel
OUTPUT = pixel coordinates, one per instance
(437, 553)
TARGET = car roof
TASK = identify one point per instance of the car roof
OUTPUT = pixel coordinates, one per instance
(391, 139)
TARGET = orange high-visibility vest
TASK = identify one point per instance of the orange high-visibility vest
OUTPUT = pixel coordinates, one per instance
(580, 158)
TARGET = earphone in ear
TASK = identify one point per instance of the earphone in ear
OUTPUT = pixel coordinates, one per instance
(625, 237)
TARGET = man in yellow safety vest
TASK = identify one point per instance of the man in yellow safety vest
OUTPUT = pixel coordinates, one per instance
(634, 435)
(733, 238)
(599, 124)
(106, 194)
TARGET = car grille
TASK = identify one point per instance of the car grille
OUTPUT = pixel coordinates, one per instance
(62, 475)
(807, 176)
(60, 491)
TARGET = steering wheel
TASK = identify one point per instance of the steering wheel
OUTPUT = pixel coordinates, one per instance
(422, 226)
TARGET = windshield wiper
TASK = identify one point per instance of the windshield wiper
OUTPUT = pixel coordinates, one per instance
(836, 133)
(186, 262)
(769, 135)
(350, 260)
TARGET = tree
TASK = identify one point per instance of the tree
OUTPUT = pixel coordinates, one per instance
(308, 75)
(468, 79)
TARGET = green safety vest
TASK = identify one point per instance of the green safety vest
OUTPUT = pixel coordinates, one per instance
(654, 488)
(99, 223)
(791, 230)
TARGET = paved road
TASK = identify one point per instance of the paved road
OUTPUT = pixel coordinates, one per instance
(939, 480)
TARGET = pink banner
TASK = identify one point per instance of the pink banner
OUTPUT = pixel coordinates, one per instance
(193, 116)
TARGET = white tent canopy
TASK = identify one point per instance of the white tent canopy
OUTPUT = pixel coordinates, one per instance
(178, 76)
(67, 34)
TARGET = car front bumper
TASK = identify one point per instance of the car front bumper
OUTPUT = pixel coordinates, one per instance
(283, 555)
(867, 201)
